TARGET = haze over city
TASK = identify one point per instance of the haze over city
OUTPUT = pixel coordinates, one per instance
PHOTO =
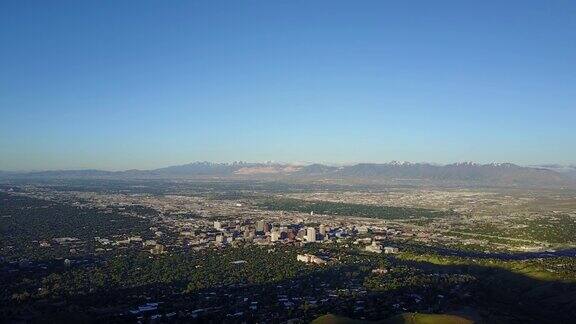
(144, 84)
(288, 161)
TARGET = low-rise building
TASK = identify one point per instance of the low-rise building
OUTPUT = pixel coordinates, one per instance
(374, 247)
(380, 271)
(157, 249)
(390, 250)
(310, 258)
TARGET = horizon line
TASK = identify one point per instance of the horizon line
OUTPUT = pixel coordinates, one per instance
(297, 163)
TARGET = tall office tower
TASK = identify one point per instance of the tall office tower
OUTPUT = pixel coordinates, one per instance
(291, 235)
(322, 229)
(301, 234)
(217, 225)
(311, 234)
(274, 236)
(260, 226)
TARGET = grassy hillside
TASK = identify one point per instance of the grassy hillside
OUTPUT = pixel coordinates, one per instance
(405, 318)
(415, 318)
(333, 319)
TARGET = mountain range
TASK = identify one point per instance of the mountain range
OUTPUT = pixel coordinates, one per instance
(466, 173)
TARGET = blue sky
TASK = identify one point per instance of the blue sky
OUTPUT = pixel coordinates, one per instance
(144, 84)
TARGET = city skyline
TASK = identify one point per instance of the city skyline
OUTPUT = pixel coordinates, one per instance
(288, 161)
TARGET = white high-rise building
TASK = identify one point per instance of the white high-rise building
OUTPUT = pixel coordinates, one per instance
(217, 225)
(322, 229)
(311, 234)
(274, 236)
(260, 226)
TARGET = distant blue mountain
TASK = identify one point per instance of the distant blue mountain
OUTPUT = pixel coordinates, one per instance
(497, 174)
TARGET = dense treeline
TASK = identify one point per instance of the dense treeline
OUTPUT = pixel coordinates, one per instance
(183, 272)
(559, 228)
(357, 210)
(407, 278)
(212, 268)
(275, 270)
(25, 222)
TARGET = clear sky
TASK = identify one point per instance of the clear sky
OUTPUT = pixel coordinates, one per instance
(144, 84)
